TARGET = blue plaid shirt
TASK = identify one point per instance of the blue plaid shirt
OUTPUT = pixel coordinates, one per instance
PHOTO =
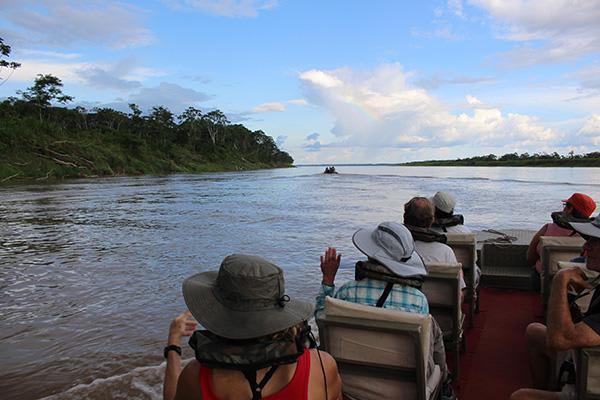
(367, 291)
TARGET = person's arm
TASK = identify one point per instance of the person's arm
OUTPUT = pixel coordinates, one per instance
(332, 377)
(188, 384)
(563, 334)
(183, 325)
(532, 250)
(330, 263)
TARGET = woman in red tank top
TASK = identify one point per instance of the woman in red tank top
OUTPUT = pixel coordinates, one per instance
(245, 309)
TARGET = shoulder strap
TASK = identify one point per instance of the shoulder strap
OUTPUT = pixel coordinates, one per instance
(385, 294)
(255, 387)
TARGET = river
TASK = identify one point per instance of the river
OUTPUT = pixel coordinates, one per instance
(91, 270)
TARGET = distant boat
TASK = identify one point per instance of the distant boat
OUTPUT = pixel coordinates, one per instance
(330, 170)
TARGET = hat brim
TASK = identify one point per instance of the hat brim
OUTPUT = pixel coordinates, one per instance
(414, 266)
(231, 324)
(586, 228)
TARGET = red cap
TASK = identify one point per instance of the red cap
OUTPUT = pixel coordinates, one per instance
(583, 203)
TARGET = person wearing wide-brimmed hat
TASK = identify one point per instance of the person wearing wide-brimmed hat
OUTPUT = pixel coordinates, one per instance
(255, 338)
(567, 327)
(391, 252)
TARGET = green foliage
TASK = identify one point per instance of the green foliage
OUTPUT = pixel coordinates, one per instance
(5, 52)
(103, 142)
(524, 160)
(45, 89)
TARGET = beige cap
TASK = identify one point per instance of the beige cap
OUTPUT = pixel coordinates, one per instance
(444, 202)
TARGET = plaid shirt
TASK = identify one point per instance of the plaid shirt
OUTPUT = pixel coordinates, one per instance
(367, 291)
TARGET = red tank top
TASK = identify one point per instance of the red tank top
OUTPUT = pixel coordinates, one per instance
(296, 389)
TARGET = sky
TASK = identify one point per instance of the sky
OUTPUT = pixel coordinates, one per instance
(379, 81)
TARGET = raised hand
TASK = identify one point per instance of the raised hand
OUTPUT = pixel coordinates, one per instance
(330, 262)
(183, 325)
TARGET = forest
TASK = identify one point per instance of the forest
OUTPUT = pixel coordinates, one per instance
(519, 160)
(42, 139)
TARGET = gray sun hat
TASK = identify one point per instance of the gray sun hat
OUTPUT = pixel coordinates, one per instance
(245, 299)
(588, 228)
(392, 245)
(444, 201)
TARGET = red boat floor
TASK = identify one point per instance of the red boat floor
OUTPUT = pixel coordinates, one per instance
(495, 362)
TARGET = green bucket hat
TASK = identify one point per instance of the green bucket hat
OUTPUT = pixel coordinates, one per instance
(245, 299)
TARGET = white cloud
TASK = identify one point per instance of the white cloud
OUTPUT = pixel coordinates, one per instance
(591, 129)
(122, 75)
(549, 31)
(63, 23)
(456, 6)
(298, 102)
(266, 107)
(48, 54)
(320, 78)
(67, 72)
(226, 8)
(472, 100)
(379, 109)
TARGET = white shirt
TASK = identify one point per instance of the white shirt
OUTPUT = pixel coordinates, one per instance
(452, 229)
(436, 252)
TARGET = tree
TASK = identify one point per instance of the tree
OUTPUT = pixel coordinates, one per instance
(5, 52)
(45, 89)
(214, 120)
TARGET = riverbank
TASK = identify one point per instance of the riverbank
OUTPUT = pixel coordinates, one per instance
(515, 160)
(57, 143)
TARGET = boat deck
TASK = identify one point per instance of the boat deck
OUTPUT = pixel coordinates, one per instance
(495, 362)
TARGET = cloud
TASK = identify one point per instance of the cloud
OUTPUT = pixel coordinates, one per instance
(379, 109)
(312, 144)
(548, 31)
(266, 107)
(435, 81)
(169, 95)
(120, 76)
(456, 7)
(67, 72)
(589, 80)
(446, 33)
(61, 23)
(298, 102)
(49, 54)
(225, 8)
(591, 129)
(320, 78)
(472, 100)
(123, 75)
(198, 78)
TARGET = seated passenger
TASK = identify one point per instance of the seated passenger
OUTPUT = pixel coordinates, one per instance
(578, 206)
(567, 328)
(389, 278)
(447, 222)
(256, 339)
(418, 218)
(444, 219)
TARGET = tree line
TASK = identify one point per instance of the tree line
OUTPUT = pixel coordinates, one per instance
(40, 138)
(591, 159)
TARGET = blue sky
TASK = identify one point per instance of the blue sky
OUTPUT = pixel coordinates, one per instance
(333, 81)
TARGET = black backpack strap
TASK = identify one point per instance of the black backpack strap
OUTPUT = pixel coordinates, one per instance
(257, 388)
(385, 294)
